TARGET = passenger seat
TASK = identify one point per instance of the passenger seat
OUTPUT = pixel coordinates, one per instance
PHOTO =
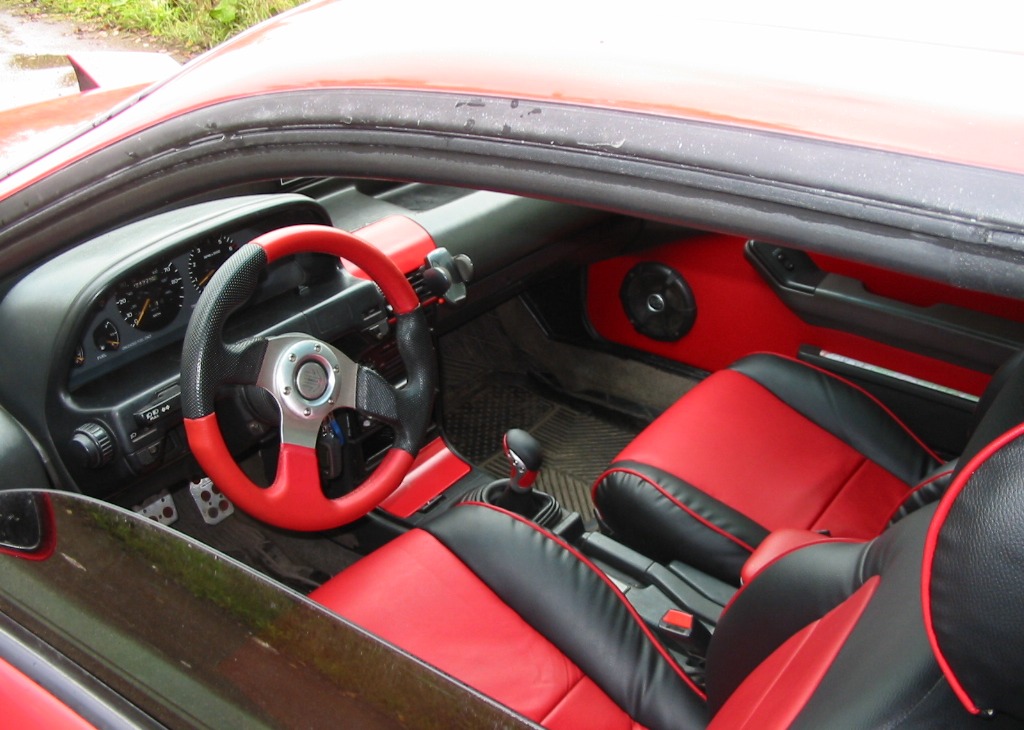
(771, 443)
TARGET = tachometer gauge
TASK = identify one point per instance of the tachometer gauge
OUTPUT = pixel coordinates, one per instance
(207, 257)
(106, 337)
(150, 300)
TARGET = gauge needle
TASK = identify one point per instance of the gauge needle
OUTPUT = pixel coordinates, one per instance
(202, 282)
(145, 308)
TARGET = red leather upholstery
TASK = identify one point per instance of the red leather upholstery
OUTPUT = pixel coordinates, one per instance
(767, 444)
(831, 634)
(460, 626)
(733, 439)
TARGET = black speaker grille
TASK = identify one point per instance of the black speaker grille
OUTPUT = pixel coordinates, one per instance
(658, 301)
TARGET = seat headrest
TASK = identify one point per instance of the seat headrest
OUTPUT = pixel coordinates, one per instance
(973, 579)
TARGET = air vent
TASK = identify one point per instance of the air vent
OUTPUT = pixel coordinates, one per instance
(419, 286)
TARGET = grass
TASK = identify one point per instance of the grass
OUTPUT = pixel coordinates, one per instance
(191, 25)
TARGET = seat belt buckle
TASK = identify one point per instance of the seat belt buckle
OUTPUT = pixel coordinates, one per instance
(684, 631)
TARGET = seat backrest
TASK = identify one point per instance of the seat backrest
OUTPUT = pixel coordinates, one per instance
(973, 583)
(1000, 408)
(861, 635)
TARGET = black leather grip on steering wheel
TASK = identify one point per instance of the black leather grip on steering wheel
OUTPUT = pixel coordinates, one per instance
(206, 361)
(406, 410)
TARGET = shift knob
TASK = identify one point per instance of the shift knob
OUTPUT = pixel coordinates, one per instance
(524, 457)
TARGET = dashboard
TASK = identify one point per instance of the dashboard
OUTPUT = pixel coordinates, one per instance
(95, 333)
(105, 323)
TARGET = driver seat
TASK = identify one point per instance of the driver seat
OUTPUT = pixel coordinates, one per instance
(918, 627)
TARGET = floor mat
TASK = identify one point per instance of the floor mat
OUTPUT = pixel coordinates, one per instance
(489, 387)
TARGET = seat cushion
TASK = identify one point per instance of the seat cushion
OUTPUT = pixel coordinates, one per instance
(767, 444)
(553, 639)
(461, 627)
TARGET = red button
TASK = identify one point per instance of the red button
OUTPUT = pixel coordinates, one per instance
(678, 619)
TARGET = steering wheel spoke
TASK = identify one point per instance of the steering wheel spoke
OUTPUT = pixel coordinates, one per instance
(376, 397)
(308, 379)
(243, 361)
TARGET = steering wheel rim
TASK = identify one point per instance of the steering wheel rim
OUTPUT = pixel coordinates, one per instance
(295, 499)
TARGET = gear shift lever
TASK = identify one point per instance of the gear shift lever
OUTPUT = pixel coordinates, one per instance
(516, 494)
(524, 456)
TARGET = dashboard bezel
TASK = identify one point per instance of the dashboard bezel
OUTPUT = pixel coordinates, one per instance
(177, 250)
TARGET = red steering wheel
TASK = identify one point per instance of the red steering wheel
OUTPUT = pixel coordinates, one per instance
(309, 379)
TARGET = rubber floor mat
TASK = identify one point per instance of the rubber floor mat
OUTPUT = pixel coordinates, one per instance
(577, 445)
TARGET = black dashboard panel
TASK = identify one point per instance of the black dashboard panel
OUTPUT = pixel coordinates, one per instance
(95, 333)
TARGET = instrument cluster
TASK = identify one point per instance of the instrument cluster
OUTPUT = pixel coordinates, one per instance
(152, 303)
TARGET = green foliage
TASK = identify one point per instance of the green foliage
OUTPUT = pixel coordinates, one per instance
(225, 12)
(193, 25)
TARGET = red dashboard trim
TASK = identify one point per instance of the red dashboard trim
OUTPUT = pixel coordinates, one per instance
(401, 239)
(434, 470)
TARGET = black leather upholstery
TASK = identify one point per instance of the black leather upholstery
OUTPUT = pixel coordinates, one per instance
(842, 410)
(886, 674)
(883, 671)
(636, 498)
(782, 600)
(678, 520)
(1000, 409)
(977, 581)
(574, 607)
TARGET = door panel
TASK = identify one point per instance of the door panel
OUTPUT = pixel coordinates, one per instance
(739, 313)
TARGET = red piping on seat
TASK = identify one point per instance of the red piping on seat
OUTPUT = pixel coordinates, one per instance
(931, 544)
(710, 525)
(778, 545)
(916, 489)
(853, 385)
(618, 594)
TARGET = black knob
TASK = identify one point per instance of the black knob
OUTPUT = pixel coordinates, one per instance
(93, 446)
(524, 455)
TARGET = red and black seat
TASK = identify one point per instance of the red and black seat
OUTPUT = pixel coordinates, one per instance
(773, 443)
(835, 634)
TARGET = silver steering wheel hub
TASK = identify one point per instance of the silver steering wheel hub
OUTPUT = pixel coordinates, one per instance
(308, 379)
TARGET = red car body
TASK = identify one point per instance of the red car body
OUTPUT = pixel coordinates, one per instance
(932, 88)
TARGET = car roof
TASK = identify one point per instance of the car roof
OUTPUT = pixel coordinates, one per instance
(872, 75)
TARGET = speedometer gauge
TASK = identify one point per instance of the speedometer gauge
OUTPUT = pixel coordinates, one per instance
(151, 300)
(207, 257)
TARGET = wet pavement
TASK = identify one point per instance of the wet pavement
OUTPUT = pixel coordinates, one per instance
(33, 55)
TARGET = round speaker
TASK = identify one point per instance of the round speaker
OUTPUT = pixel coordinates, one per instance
(658, 301)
